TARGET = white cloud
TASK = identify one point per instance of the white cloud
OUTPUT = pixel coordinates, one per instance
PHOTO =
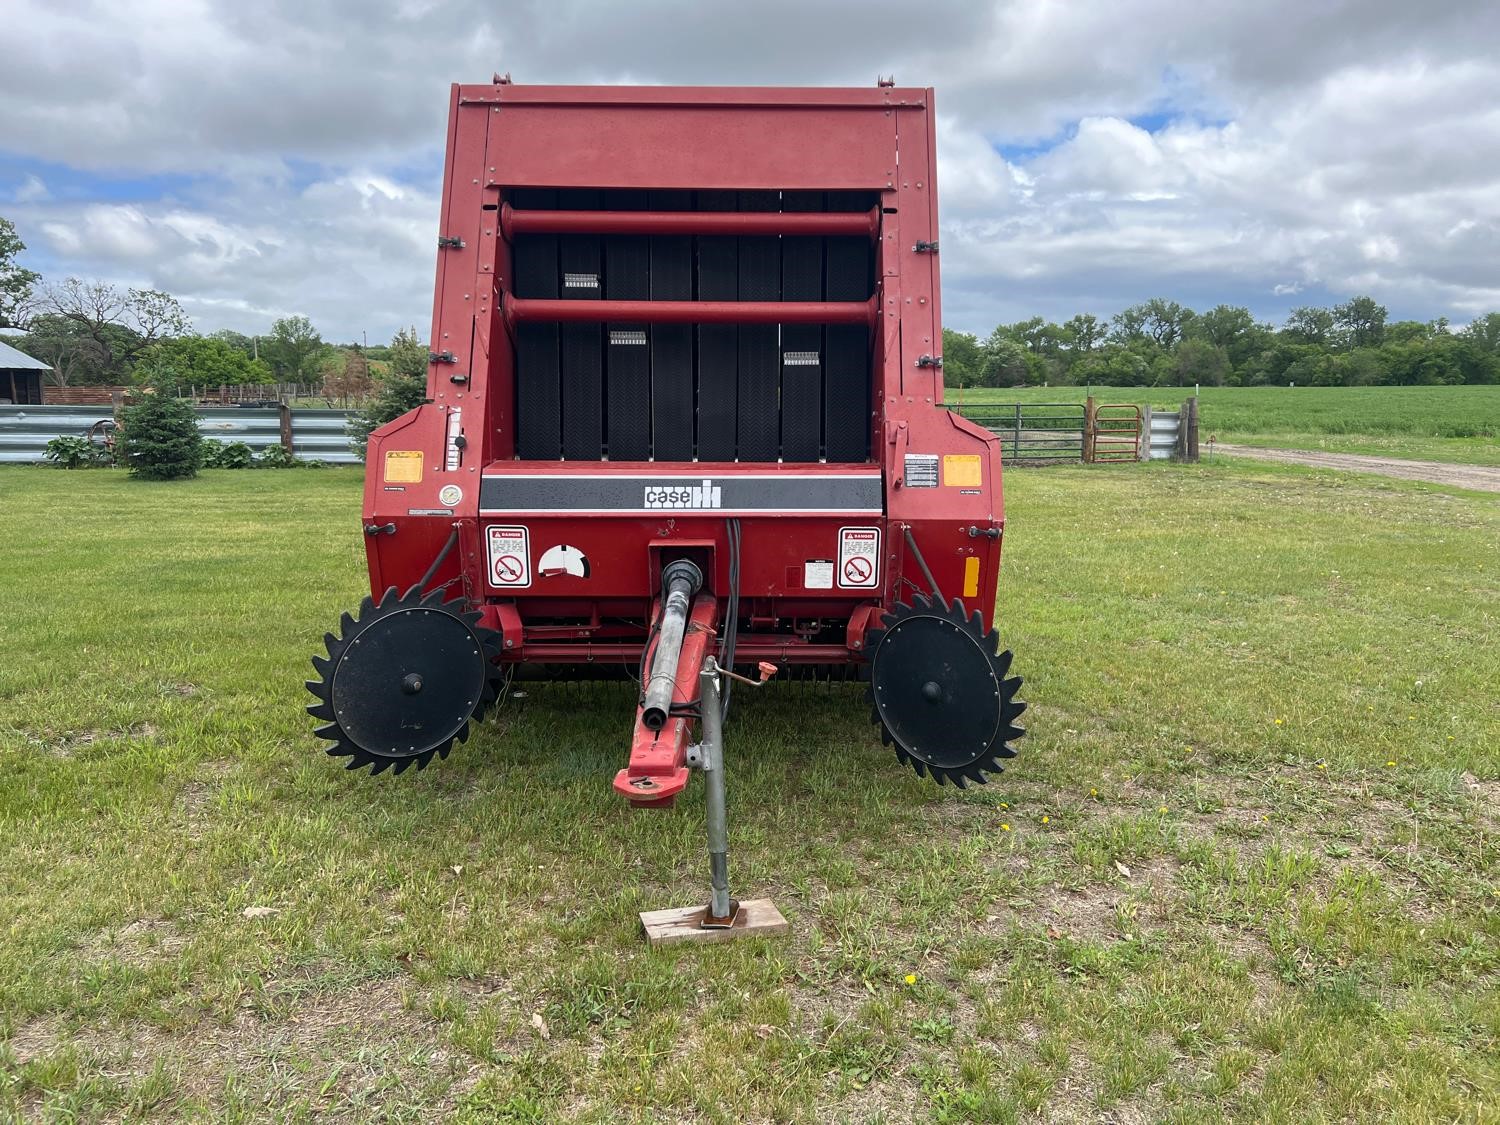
(32, 190)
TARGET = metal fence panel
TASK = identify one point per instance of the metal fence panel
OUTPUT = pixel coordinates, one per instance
(257, 427)
(1164, 434)
(317, 435)
(26, 430)
(323, 435)
(1033, 431)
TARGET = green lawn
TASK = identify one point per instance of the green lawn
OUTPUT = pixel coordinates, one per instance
(1245, 868)
(1458, 424)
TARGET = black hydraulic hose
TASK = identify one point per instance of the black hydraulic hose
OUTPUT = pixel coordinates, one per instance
(437, 562)
(732, 622)
(921, 562)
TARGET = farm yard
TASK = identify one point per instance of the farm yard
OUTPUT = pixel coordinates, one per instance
(1245, 867)
(1457, 424)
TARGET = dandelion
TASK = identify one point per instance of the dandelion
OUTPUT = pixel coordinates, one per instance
(1003, 805)
(1189, 749)
(911, 978)
(1005, 828)
(1392, 762)
(1162, 809)
(1046, 820)
(1278, 722)
(1095, 792)
(1322, 765)
(1450, 738)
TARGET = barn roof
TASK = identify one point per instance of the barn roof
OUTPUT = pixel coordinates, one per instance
(13, 360)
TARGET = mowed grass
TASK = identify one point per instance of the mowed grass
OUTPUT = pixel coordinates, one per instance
(1457, 424)
(1245, 868)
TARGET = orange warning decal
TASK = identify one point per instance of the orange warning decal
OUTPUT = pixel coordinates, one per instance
(403, 466)
(961, 470)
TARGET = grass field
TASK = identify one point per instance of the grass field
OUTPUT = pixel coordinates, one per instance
(1246, 867)
(1460, 424)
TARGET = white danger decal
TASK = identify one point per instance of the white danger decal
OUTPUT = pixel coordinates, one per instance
(859, 558)
(510, 556)
(817, 574)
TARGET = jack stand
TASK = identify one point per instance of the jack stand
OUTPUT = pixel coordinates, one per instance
(723, 918)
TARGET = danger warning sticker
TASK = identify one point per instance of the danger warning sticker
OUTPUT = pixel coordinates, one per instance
(510, 556)
(859, 558)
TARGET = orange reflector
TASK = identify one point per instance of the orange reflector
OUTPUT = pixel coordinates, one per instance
(971, 577)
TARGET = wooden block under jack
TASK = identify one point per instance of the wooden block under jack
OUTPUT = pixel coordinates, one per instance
(756, 916)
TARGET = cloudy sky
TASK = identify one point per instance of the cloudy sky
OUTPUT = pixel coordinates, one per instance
(268, 158)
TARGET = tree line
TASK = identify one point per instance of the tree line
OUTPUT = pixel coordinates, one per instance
(94, 333)
(1162, 343)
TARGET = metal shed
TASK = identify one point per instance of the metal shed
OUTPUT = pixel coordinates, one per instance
(20, 377)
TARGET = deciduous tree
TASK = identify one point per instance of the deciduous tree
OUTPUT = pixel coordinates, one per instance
(16, 281)
(293, 345)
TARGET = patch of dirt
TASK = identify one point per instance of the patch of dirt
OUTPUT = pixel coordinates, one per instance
(349, 1048)
(68, 745)
(1086, 915)
(1484, 478)
(35, 1038)
(140, 943)
(1485, 793)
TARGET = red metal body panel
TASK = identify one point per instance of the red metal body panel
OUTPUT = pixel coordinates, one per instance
(503, 137)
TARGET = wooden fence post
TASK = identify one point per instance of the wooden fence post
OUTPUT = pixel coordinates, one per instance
(1090, 424)
(1145, 441)
(286, 427)
(1187, 430)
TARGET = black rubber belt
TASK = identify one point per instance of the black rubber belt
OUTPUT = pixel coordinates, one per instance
(717, 343)
(627, 354)
(801, 344)
(672, 400)
(538, 391)
(582, 359)
(758, 382)
(847, 374)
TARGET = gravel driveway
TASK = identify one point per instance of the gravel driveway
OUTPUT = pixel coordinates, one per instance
(1485, 478)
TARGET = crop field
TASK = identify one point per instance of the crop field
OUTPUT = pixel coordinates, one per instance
(1459, 424)
(1245, 868)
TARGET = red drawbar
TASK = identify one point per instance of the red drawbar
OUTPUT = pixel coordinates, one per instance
(657, 772)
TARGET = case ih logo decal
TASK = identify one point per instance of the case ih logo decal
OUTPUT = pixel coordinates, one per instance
(706, 495)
